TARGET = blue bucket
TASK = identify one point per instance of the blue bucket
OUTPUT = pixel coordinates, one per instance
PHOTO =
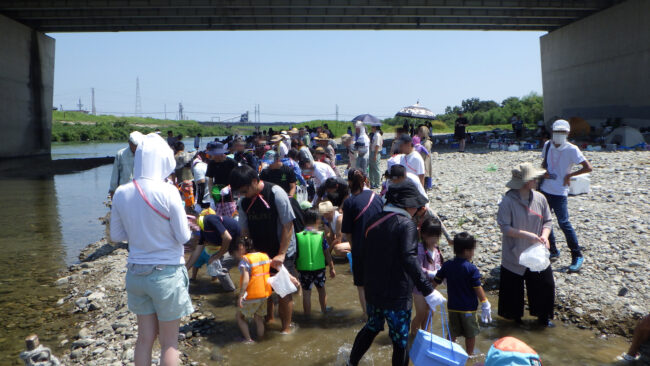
(430, 350)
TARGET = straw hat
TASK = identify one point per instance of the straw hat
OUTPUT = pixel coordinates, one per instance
(319, 150)
(523, 174)
(293, 131)
(322, 137)
(275, 139)
(345, 137)
(325, 207)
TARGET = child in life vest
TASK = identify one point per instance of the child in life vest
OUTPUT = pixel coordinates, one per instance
(255, 289)
(313, 256)
(430, 259)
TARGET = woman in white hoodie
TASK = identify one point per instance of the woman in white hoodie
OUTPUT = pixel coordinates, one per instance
(362, 145)
(150, 215)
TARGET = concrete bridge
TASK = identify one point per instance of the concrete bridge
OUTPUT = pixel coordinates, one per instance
(595, 56)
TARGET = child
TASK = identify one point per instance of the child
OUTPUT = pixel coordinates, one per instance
(313, 255)
(463, 288)
(255, 289)
(430, 259)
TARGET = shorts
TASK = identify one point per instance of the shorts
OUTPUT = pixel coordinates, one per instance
(289, 264)
(463, 324)
(163, 292)
(204, 258)
(399, 322)
(254, 307)
(309, 277)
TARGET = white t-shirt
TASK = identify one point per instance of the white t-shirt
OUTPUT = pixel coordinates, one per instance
(322, 171)
(198, 170)
(283, 150)
(416, 180)
(560, 161)
(413, 163)
(377, 140)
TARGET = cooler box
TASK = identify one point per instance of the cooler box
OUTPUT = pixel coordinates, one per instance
(529, 146)
(338, 157)
(494, 145)
(579, 184)
(455, 146)
(431, 350)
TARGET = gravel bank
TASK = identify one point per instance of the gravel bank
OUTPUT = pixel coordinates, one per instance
(609, 295)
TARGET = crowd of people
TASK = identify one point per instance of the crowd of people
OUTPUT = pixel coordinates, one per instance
(275, 202)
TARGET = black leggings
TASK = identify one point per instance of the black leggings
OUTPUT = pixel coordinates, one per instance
(362, 343)
(540, 287)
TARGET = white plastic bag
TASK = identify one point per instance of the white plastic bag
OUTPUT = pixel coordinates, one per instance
(535, 258)
(281, 283)
(214, 268)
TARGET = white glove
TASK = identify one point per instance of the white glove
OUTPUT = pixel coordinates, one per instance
(431, 274)
(486, 313)
(434, 299)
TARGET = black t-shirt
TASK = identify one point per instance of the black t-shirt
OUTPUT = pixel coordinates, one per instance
(460, 122)
(283, 177)
(351, 209)
(220, 172)
(214, 226)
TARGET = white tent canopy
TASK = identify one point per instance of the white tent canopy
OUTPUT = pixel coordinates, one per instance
(625, 136)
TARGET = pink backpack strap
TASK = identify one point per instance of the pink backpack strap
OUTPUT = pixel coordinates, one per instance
(376, 223)
(144, 197)
(372, 197)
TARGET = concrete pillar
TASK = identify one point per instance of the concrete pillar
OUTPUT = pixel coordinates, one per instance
(26, 84)
(599, 67)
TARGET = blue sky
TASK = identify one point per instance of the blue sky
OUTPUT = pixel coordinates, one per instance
(292, 75)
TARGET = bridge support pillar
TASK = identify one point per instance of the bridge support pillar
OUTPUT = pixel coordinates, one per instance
(26, 85)
(599, 67)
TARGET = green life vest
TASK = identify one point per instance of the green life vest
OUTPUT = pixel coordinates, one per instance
(310, 251)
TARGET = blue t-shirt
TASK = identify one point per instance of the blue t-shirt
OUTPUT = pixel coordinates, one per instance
(351, 209)
(213, 227)
(462, 278)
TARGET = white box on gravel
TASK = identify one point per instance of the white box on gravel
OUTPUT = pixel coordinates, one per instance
(579, 184)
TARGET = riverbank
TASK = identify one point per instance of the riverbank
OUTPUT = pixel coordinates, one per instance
(608, 296)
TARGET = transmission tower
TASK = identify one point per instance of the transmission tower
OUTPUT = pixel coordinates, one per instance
(138, 101)
(93, 111)
(180, 111)
(79, 105)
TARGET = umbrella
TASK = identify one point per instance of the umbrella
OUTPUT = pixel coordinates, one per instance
(416, 111)
(368, 119)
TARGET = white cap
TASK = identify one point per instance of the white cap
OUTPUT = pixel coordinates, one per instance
(135, 137)
(359, 124)
(561, 125)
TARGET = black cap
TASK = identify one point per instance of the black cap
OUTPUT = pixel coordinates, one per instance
(405, 138)
(405, 195)
(397, 171)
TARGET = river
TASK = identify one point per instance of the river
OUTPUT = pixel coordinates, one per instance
(47, 221)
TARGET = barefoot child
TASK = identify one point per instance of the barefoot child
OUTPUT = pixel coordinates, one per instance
(255, 289)
(430, 259)
(463, 289)
(313, 255)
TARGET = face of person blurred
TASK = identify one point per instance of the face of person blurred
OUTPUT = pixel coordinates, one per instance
(250, 190)
(133, 147)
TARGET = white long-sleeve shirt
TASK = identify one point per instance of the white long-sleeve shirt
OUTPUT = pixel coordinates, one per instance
(152, 239)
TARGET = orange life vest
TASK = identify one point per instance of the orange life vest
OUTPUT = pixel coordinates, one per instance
(187, 191)
(258, 285)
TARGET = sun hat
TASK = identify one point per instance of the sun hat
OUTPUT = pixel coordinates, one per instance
(359, 124)
(322, 137)
(325, 207)
(216, 148)
(135, 137)
(275, 139)
(405, 195)
(293, 131)
(561, 125)
(319, 150)
(512, 352)
(270, 157)
(523, 174)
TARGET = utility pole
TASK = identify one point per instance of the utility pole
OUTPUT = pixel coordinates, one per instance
(93, 110)
(180, 111)
(337, 112)
(138, 101)
(79, 105)
(165, 111)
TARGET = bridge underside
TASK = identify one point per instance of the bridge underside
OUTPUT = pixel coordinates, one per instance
(595, 60)
(167, 15)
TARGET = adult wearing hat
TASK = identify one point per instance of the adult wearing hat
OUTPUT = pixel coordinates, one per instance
(525, 220)
(362, 145)
(559, 156)
(278, 173)
(323, 142)
(303, 134)
(391, 243)
(123, 163)
(219, 169)
(333, 221)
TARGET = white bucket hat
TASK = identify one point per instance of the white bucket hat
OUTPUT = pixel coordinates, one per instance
(561, 125)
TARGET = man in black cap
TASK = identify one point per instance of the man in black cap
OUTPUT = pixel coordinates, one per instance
(391, 243)
(219, 169)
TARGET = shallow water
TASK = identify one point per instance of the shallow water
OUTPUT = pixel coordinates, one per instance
(46, 222)
(327, 339)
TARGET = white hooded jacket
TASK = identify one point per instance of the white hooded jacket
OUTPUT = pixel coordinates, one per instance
(152, 238)
(363, 142)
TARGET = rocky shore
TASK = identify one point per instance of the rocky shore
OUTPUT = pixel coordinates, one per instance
(609, 294)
